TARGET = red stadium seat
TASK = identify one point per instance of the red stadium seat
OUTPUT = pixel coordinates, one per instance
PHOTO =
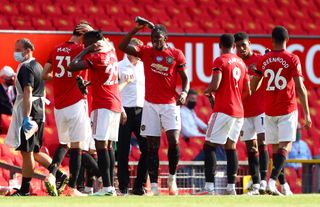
(239, 13)
(311, 27)
(114, 10)
(21, 23)
(172, 26)
(186, 3)
(279, 14)
(9, 9)
(205, 3)
(63, 23)
(30, 8)
(253, 27)
(178, 12)
(94, 10)
(155, 13)
(4, 23)
(219, 14)
(106, 24)
(307, 4)
(260, 14)
(211, 26)
(125, 24)
(266, 3)
(134, 10)
(72, 10)
(289, 5)
(41, 23)
(198, 13)
(52, 10)
(190, 26)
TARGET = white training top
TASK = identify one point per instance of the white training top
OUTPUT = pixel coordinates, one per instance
(133, 94)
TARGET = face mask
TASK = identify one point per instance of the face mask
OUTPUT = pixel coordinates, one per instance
(9, 82)
(191, 104)
(18, 57)
(298, 136)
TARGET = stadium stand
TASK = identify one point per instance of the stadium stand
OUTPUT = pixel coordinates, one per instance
(193, 16)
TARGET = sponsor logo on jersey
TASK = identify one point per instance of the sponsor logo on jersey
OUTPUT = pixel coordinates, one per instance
(159, 59)
(169, 60)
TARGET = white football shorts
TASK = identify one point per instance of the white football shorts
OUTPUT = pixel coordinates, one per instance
(105, 124)
(222, 126)
(73, 123)
(158, 116)
(253, 126)
(281, 128)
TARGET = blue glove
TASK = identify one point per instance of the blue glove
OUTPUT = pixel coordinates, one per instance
(26, 124)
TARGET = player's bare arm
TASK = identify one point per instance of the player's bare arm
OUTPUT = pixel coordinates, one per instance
(77, 63)
(124, 45)
(303, 96)
(27, 100)
(215, 83)
(246, 91)
(255, 83)
(185, 87)
(47, 72)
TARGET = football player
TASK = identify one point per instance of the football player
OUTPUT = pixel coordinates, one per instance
(106, 101)
(70, 110)
(230, 84)
(161, 107)
(253, 126)
(282, 79)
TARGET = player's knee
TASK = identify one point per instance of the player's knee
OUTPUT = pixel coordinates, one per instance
(153, 145)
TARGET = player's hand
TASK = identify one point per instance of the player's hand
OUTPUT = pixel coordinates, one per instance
(308, 122)
(182, 98)
(26, 124)
(207, 92)
(123, 118)
(139, 26)
(83, 28)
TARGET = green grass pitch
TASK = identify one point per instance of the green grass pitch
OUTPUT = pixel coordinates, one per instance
(164, 201)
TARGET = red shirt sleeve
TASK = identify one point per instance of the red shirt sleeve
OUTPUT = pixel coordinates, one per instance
(217, 65)
(296, 69)
(259, 71)
(181, 61)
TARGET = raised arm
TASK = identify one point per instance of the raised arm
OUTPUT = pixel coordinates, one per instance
(124, 45)
(77, 63)
(303, 96)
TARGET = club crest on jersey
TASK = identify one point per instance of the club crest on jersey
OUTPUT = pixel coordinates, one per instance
(159, 59)
(169, 60)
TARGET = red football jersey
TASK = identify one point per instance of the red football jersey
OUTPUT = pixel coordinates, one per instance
(253, 105)
(234, 76)
(65, 90)
(278, 68)
(104, 80)
(160, 70)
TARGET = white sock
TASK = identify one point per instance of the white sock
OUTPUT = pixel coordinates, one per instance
(209, 186)
(108, 189)
(256, 186)
(154, 185)
(172, 177)
(272, 183)
(231, 186)
(285, 186)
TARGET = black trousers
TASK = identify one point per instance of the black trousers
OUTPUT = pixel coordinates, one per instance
(133, 123)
